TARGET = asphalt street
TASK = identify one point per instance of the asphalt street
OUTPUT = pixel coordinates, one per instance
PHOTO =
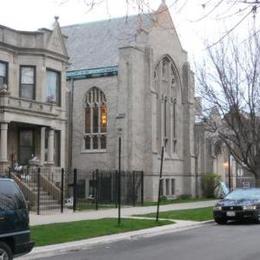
(211, 242)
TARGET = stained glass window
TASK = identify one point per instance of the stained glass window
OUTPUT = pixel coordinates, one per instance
(95, 137)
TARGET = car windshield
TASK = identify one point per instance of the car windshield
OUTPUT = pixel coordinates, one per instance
(247, 194)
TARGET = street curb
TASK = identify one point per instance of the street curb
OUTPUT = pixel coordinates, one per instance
(58, 249)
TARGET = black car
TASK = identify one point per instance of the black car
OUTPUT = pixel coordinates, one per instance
(240, 204)
(14, 221)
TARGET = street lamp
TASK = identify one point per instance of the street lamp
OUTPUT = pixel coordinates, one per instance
(119, 178)
(120, 116)
(227, 167)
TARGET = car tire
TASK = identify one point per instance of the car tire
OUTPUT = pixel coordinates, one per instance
(5, 251)
(221, 221)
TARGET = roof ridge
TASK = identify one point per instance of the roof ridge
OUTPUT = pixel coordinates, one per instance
(107, 20)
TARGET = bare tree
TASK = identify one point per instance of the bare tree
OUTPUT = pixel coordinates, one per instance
(229, 82)
(231, 13)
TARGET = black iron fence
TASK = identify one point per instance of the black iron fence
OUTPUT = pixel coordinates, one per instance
(101, 189)
(50, 189)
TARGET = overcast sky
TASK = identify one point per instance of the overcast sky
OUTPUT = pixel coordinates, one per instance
(34, 14)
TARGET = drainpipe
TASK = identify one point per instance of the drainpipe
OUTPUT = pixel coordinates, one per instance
(71, 103)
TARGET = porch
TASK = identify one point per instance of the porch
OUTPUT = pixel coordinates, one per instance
(23, 144)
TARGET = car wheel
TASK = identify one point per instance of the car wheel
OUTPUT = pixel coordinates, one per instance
(5, 252)
(221, 221)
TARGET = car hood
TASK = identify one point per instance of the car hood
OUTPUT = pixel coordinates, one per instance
(241, 202)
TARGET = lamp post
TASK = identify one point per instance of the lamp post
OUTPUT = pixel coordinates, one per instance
(119, 180)
(227, 167)
(120, 116)
(229, 173)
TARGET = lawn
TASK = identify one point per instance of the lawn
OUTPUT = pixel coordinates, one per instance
(178, 200)
(200, 214)
(64, 232)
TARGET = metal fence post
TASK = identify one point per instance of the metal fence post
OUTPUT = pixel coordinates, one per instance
(93, 186)
(38, 190)
(97, 188)
(75, 190)
(62, 191)
(115, 188)
(142, 188)
(133, 189)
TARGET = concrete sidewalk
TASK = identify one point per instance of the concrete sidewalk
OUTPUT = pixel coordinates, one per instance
(69, 215)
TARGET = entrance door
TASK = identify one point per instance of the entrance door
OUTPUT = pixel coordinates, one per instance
(26, 145)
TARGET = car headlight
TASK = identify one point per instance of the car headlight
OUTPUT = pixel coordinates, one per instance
(217, 208)
(249, 207)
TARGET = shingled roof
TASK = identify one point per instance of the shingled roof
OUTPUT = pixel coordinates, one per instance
(96, 44)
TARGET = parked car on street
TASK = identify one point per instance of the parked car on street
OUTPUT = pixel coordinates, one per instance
(240, 204)
(14, 221)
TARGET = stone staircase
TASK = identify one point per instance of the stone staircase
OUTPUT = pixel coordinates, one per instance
(49, 198)
(47, 201)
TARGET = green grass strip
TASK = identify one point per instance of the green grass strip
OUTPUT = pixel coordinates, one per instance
(64, 232)
(200, 214)
(175, 201)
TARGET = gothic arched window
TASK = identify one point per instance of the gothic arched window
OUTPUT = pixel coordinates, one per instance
(165, 81)
(95, 137)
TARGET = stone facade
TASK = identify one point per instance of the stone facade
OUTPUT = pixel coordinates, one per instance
(32, 96)
(149, 98)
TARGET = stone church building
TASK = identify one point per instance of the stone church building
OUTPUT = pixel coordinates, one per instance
(130, 77)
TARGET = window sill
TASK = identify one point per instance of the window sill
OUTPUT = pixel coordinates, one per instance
(93, 151)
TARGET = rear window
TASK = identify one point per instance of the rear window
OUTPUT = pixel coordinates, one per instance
(11, 197)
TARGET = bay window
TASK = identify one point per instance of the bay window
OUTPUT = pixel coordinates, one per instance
(3, 73)
(53, 88)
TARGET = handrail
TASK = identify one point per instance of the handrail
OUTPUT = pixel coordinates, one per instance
(49, 187)
(27, 191)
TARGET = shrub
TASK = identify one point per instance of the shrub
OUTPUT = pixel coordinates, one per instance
(185, 197)
(209, 183)
(163, 198)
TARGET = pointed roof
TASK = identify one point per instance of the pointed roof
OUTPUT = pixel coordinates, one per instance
(55, 41)
(96, 44)
(163, 19)
(163, 16)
